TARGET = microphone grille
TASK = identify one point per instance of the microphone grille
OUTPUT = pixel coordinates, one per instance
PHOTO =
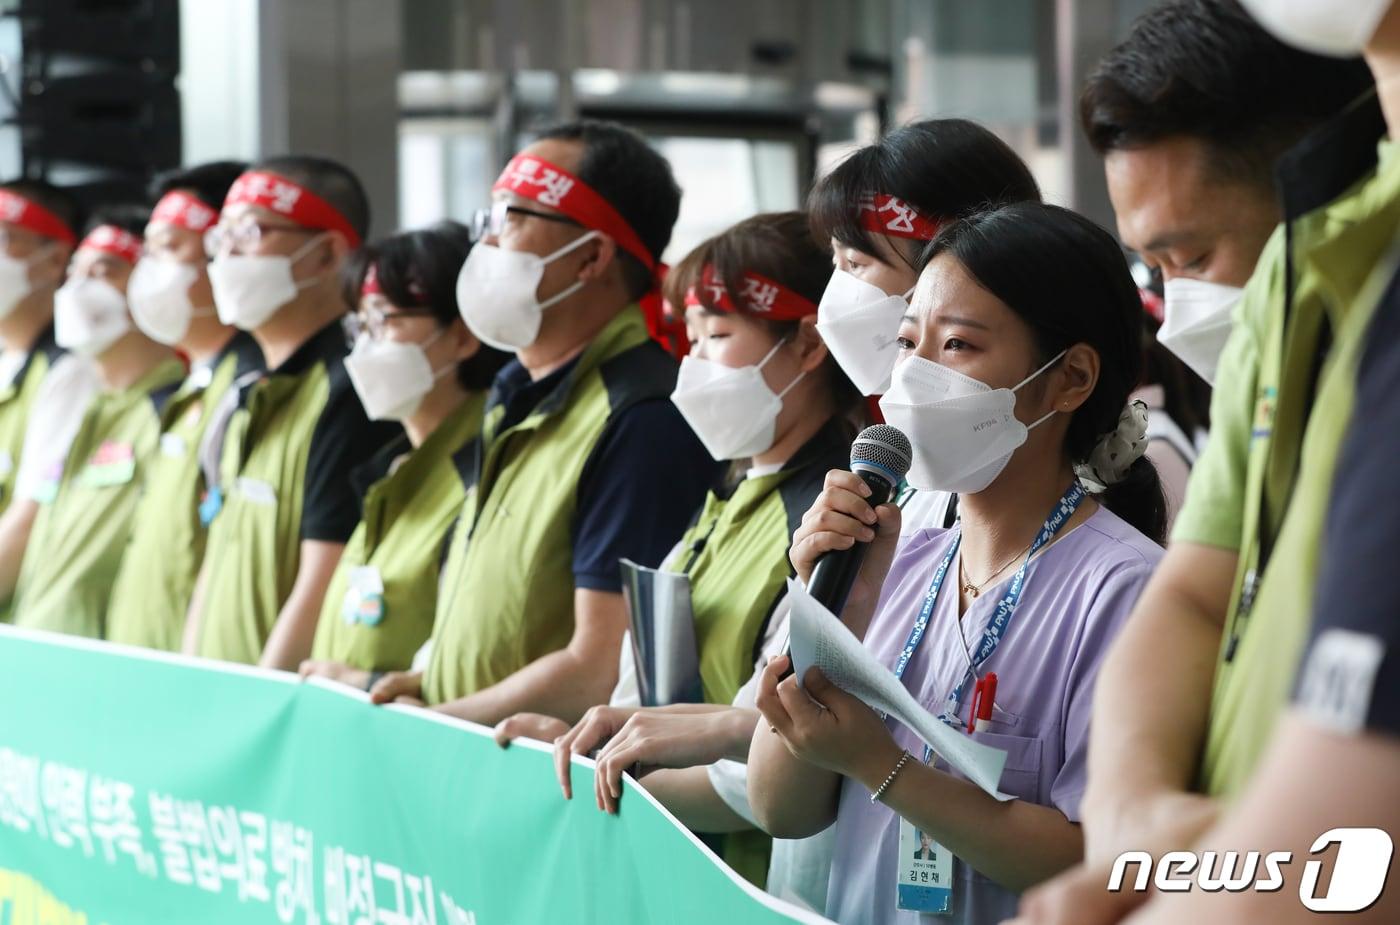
(884, 446)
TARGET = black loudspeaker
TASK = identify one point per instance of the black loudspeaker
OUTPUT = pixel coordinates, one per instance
(97, 93)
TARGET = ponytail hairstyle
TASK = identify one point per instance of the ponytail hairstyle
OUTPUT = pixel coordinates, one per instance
(780, 246)
(421, 266)
(944, 168)
(1068, 281)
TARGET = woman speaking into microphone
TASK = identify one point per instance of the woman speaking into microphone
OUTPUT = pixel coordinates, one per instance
(1016, 363)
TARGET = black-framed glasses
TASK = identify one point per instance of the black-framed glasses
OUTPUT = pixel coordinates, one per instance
(492, 219)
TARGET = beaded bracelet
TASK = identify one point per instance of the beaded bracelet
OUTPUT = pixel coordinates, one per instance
(899, 766)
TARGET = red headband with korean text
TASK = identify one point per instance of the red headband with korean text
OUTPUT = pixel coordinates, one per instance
(885, 214)
(553, 186)
(371, 287)
(180, 208)
(760, 296)
(301, 205)
(115, 241)
(26, 213)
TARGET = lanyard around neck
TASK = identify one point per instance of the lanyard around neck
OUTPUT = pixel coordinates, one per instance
(1006, 608)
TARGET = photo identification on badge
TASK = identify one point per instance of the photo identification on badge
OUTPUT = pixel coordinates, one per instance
(925, 872)
(364, 597)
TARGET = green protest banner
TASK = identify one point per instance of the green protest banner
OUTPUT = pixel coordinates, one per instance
(141, 788)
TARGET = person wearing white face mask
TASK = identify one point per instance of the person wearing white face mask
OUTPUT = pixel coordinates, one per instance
(761, 392)
(36, 240)
(278, 454)
(80, 482)
(1013, 387)
(586, 460)
(414, 361)
(880, 207)
(1224, 623)
(171, 302)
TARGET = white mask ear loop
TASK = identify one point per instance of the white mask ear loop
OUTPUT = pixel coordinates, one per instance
(578, 284)
(906, 295)
(1053, 360)
(764, 362)
(1051, 413)
(301, 252)
(437, 373)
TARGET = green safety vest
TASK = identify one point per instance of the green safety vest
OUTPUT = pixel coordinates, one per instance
(16, 398)
(508, 584)
(736, 556)
(1303, 403)
(86, 512)
(405, 520)
(254, 546)
(158, 571)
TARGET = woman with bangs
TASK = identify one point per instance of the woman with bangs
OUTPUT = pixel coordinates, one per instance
(880, 208)
(760, 390)
(1014, 382)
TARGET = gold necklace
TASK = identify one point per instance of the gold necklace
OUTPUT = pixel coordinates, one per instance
(974, 588)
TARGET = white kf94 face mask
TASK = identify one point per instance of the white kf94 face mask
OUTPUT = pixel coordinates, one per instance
(1199, 317)
(1340, 28)
(159, 295)
(250, 288)
(730, 408)
(392, 377)
(963, 431)
(498, 293)
(89, 315)
(859, 323)
(14, 279)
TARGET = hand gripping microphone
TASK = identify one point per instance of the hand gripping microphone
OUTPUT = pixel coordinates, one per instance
(881, 456)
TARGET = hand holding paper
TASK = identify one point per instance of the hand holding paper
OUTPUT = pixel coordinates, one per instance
(820, 639)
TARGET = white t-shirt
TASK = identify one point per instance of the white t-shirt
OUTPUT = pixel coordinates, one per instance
(54, 420)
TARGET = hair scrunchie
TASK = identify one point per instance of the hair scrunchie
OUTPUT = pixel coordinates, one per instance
(1116, 450)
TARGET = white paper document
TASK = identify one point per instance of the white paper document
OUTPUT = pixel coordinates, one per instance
(820, 639)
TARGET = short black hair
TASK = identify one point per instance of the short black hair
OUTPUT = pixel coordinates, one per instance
(208, 182)
(331, 180)
(635, 180)
(1205, 69)
(428, 260)
(56, 199)
(945, 168)
(127, 217)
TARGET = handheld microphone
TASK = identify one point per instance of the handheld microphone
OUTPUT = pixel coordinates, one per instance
(881, 456)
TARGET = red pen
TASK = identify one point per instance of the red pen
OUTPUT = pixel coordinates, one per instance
(988, 700)
(977, 691)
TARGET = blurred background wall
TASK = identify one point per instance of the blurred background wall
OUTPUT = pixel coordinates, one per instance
(750, 99)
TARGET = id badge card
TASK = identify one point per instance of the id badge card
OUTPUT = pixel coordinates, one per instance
(364, 597)
(925, 872)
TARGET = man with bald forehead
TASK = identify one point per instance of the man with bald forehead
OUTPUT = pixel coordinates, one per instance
(587, 461)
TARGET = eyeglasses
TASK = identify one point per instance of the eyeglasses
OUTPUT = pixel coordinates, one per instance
(244, 235)
(375, 321)
(492, 220)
